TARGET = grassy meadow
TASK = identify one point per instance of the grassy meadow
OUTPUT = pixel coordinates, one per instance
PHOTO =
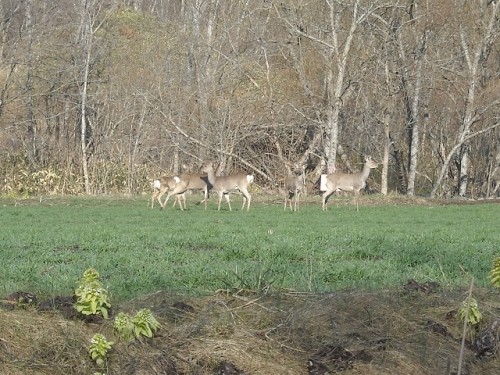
(47, 244)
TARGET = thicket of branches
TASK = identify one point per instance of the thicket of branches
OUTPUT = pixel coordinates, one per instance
(100, 96)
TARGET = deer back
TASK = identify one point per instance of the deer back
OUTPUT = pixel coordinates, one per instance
(238, 181)
(194, 181)
(352, 181)
(164, 182)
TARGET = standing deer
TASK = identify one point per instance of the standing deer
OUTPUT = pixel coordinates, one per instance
(163, 185)
(190, 181)
(224, 185)
(294, 186)
(348, 182)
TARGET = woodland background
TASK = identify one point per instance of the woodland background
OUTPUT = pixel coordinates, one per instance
(101, 96)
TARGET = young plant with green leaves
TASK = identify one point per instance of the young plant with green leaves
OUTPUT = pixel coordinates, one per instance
(92, 298)
(145, 324)
(99, 348)
(495, 273)
(124, 327)
(469, 312)
(142, 324)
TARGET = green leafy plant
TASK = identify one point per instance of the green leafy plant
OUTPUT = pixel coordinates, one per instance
(90, 277)
(92, 298)
(469, 312)
(99, 347)
(124, 327)
(145, 324)
(142, 324)
(495, 273)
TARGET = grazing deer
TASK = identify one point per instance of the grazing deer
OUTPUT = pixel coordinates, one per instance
(163, 185)
(224, 185)
(294, 186)
(348, 182)
(190, 181)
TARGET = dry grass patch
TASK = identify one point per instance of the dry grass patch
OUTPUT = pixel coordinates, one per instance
(407, 331)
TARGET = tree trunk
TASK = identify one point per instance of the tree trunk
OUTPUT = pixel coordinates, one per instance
(474, 63)
(32, 127)
(452, 152)
(385, 157)
(86, 47)
(415, 122)
(335, 90)
(83, 122)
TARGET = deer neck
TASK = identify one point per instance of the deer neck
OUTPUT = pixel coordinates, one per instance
(366, 171)
(211, 176)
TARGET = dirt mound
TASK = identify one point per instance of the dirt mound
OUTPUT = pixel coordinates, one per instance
(414, 330)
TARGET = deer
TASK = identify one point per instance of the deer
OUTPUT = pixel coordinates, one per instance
(224, 185)
(348, 182)
(294, 186)
(163, 185)
(190, 181)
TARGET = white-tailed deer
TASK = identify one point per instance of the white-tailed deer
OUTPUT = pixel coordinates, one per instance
(224, 185)
(348, 182)
(294, 186)
(163, 185)
(190, 181)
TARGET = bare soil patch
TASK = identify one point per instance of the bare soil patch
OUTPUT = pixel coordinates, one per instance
(413, 330)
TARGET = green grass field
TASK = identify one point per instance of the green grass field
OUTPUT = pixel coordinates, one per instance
(46, 246)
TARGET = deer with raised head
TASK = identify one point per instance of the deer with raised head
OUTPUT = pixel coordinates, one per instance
(224, 185)
(163, 185)
(294, 186)
(190, 181)
(348, 182)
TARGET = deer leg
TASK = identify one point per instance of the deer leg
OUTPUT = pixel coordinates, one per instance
(158, 194)
(153, 197)
(178, 197)
(220, 200)
(183, 197)
(325, 200)
(248, 198)
(206, 197)
(326, 195)
(166, 199)
(289, 198)
(228, 202)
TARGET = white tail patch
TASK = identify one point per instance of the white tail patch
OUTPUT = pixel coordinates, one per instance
(322, 182)
(177, 179)
(249, 178)
(156, 184)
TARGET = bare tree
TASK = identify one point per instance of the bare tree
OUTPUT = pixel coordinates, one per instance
(91, 20)
(475, 58)
(137, 88)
